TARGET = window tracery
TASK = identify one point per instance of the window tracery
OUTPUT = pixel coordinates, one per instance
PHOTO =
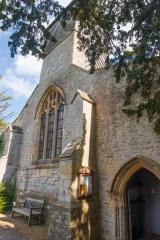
(51, 126)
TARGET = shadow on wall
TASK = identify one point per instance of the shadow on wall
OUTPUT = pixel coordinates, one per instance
(85, 215)
(86, 218)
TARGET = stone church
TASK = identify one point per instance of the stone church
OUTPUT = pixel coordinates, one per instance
(72, 145)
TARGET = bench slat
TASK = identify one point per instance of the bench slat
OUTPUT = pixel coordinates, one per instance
(35, 200)
(25, 211)
(31, 207)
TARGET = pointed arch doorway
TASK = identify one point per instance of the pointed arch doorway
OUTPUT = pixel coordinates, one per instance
(137, 191)
(143, 205)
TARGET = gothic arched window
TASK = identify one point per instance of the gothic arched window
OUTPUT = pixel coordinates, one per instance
(51, 126)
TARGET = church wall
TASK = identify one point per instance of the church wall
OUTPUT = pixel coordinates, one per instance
(57, 61)
(118, 138)
(42, 180)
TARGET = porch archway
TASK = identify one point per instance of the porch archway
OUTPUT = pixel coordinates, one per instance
(119, 188)
(127, 170)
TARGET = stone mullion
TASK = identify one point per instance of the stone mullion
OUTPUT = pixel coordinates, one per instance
(46, 131)
(35, 156)
(55, 126)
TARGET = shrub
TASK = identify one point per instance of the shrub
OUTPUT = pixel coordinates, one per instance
(2, 198)
(7, 196)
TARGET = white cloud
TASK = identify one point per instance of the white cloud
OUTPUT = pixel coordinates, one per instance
(28, 65)
(18, 86)
(22, 77)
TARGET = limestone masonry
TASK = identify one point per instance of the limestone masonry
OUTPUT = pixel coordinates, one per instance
(123, 156)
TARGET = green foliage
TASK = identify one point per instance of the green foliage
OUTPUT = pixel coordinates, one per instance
(28, 20)
(103, 29)
(4, 104)
(2, 198)
(7, 196)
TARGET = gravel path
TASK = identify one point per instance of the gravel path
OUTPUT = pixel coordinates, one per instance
(7, 233)
(17, 229)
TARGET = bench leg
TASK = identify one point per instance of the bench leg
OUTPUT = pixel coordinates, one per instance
(40, 219)
(12, 214)
(22, 216)
(29, 220)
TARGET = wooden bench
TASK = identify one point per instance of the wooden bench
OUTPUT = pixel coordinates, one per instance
(30, 207)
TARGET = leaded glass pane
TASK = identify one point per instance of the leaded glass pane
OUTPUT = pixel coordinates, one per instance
(59, 133)
(46, 145)
(59, 98)
(41, 137)
(58, 151)
(59, 130)
(61, 115)
(50, 134)
(59, 143)
(60, 123)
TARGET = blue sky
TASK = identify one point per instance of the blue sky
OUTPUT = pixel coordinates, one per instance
(20, 75)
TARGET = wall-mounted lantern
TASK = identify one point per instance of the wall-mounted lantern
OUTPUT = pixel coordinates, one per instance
(85, 183)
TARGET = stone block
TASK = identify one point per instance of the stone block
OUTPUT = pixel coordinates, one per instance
(43, 172)
(65, 171)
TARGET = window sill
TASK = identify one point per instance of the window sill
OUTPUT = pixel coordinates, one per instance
(54, 164)
(46, 161)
